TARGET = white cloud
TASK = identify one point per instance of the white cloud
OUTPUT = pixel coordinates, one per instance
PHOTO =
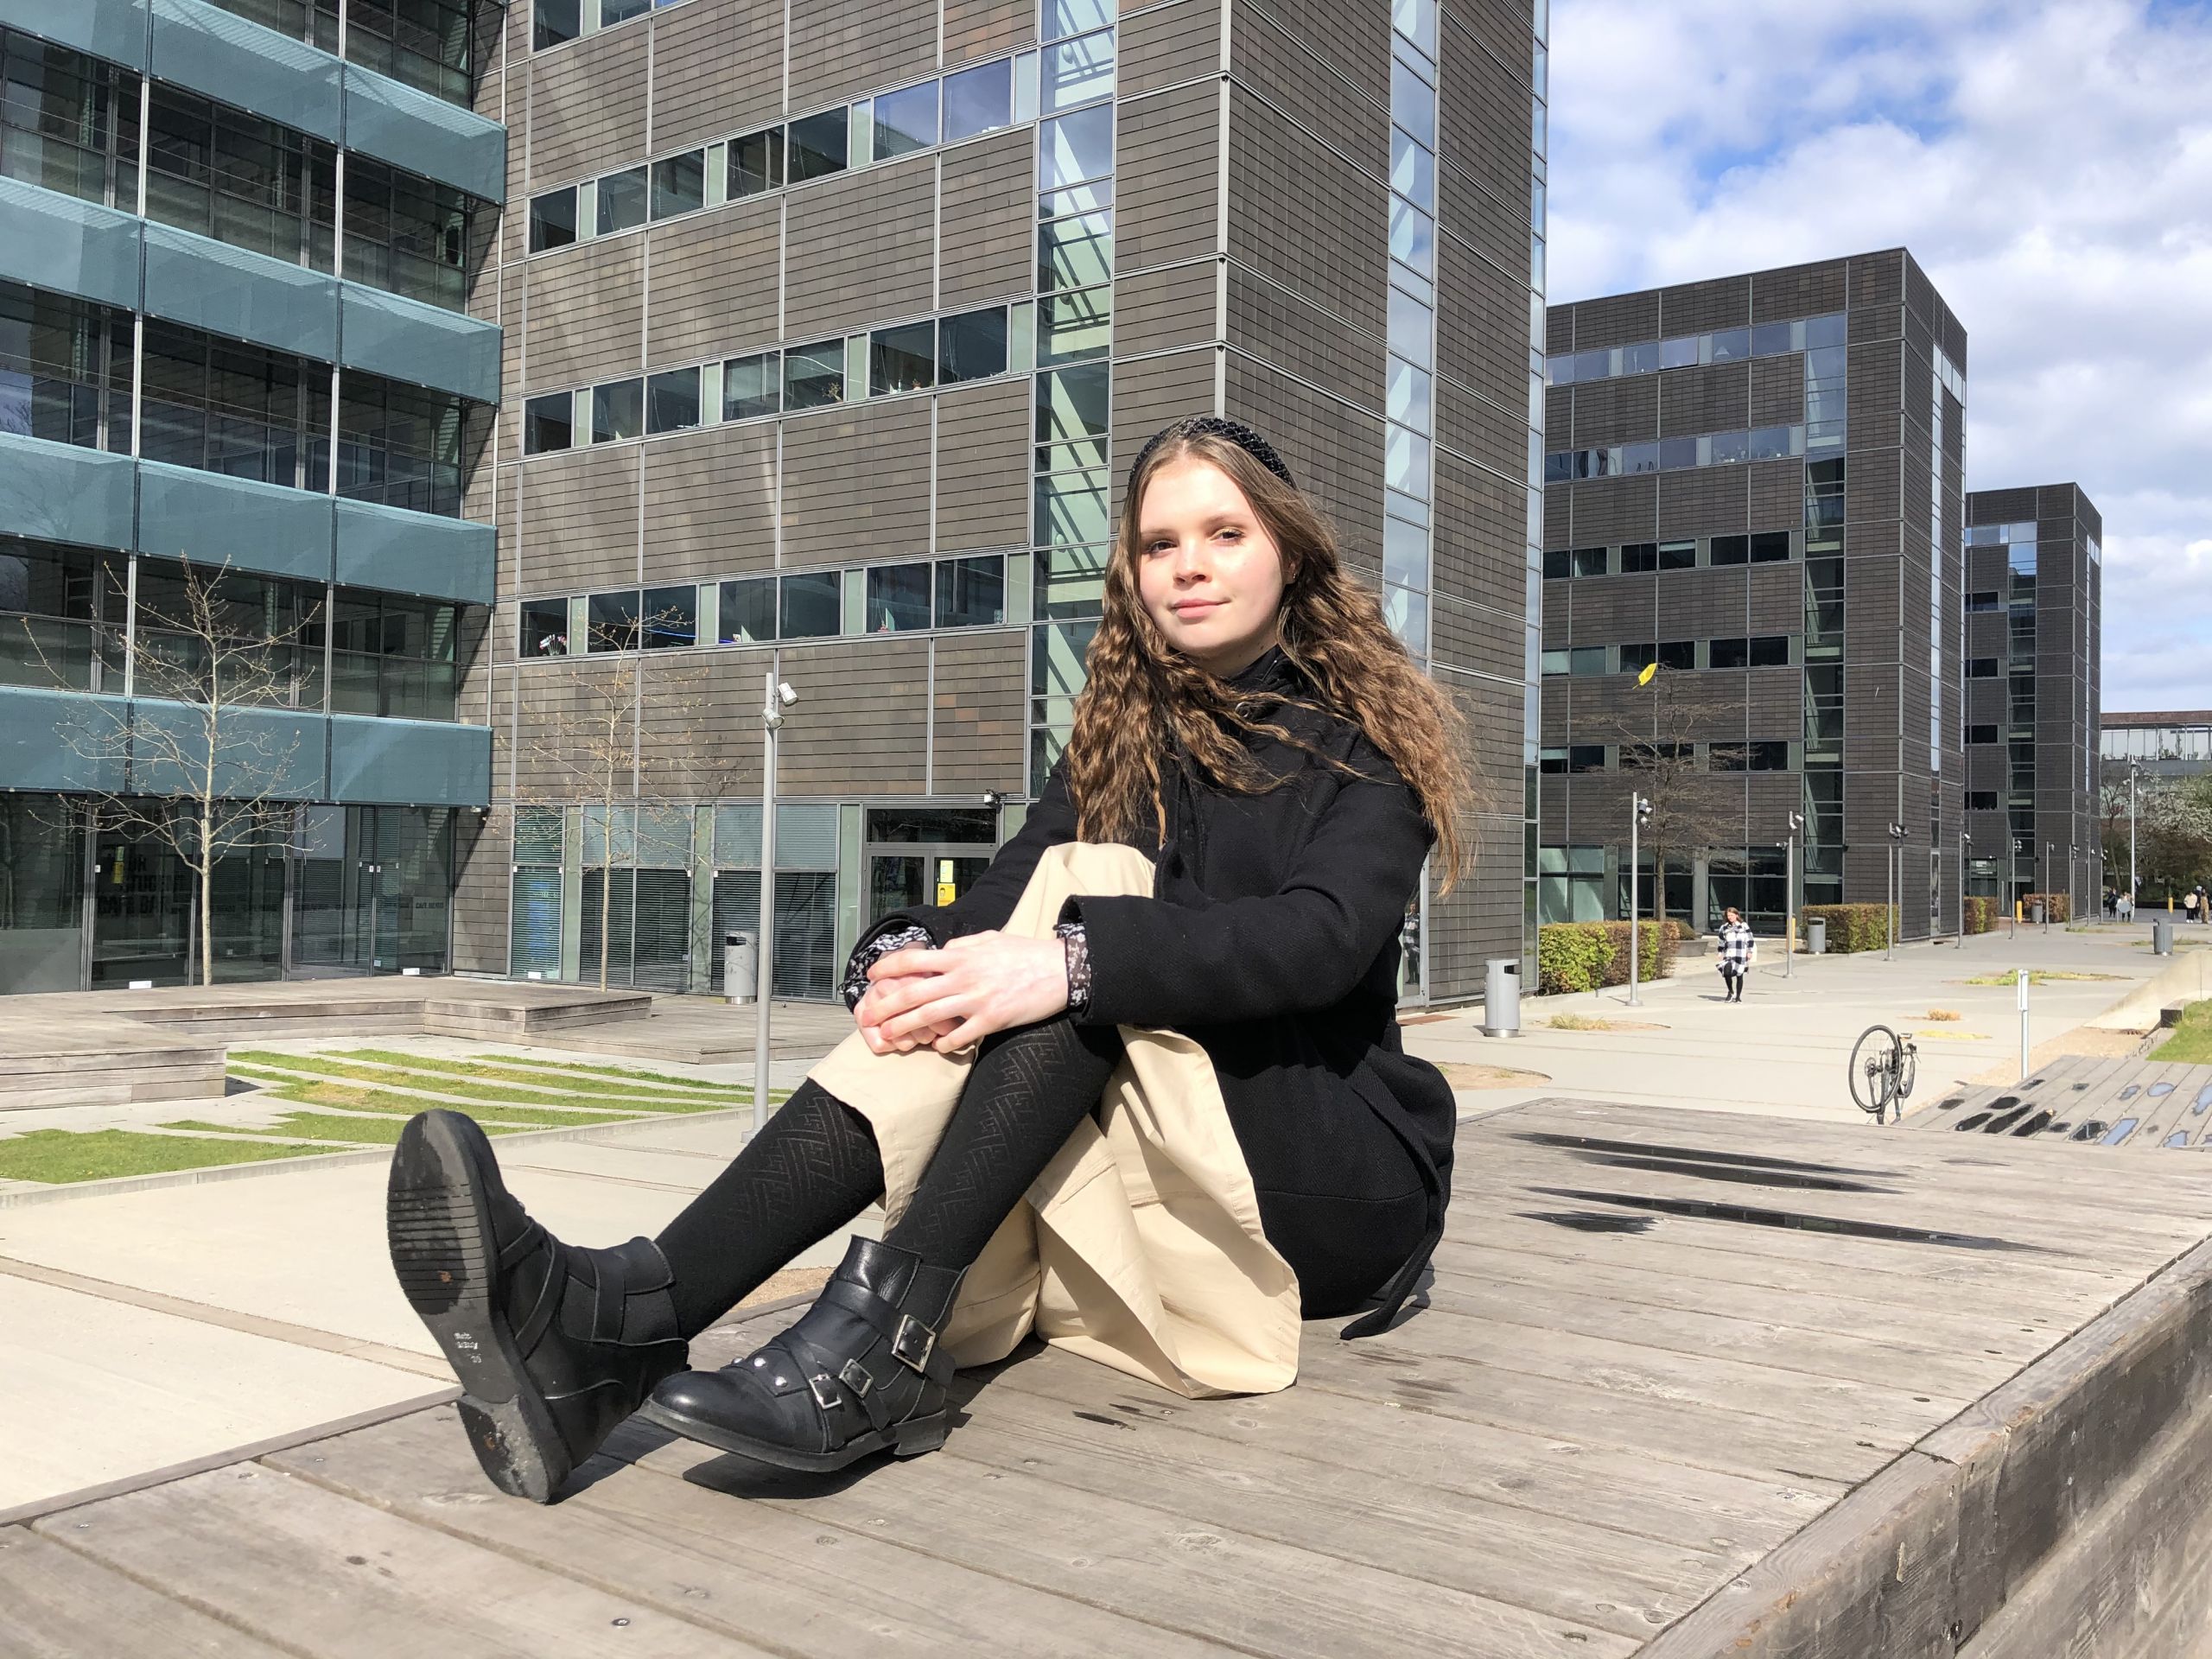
(2050, 166)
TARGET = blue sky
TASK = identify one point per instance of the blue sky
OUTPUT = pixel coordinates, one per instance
(2049, 165)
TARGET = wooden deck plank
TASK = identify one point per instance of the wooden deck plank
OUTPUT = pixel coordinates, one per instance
(54, 1604)
(746, 1570)
(1579, 1311)
(1801, 1310)
(1129, 1557)
(1589, 1412)
(317, 1574)
(1640, 1492)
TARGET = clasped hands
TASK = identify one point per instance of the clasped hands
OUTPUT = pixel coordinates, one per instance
(952, 999)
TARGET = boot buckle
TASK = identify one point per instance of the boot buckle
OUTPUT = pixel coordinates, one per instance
(854, 1377)
(824, 1390)
(913, 1344)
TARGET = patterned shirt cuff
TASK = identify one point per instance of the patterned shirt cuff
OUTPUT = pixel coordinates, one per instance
(1076, 943)
(856, 980)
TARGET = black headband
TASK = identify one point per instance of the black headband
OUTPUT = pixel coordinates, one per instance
(1220, 425)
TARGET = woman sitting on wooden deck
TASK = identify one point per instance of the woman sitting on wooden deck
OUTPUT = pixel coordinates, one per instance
(1140, 1091)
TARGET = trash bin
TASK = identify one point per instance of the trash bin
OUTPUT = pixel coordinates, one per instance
(1816, 935)
(2162, 935)
(2035, 914)
(1502, 997)
(740, 966)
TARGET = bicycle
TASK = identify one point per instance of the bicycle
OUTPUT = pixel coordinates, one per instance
(1883, 1065)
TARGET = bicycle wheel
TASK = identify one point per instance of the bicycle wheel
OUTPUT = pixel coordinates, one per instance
(1873, 1070)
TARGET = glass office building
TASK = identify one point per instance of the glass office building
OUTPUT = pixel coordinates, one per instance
(243, 397)
(833, 331)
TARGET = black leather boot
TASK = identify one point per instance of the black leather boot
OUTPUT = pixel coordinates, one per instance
(554, 1345)
(860, 1372)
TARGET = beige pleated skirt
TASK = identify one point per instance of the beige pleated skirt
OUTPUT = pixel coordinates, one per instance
(1140, 1244)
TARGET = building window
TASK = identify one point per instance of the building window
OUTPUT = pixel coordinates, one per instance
(1729, 653)
(1981, 734)
(1587, 661)
(618, 411)
(972, 346)
(553, 220)
(1678, 556)
(235, 177)
(65, 373)
(392, 656)
(1983, 601)
(671, 621)
(554, 22)
(971, 592)
(1770, 651)
(1771, 547)
(1732, 549)
(679, 184)
(544, 628)
(409, 235)
(1678, 654)
(1981, 668)
(225, 407)
(1589, 561)
(747, 612)
(402, 446)
(613, 621)
(752, 386)
(756, 163)
(978, 100)
(1552, 762)
(902, 359)
(898, 598)
(672, 400)
(814, 376)
(905, 121)
(1981, 800)
(1634, 660)
(1639, 557)
(816, 146)
(1558, 564)
(811, 605)
(622, 201)
(1586, 757)
(548, 422)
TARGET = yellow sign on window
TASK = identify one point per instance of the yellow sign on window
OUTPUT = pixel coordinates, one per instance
(947, 888)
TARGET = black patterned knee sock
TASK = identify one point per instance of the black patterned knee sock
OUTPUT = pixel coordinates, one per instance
(811, 1169)
(1029, 1089)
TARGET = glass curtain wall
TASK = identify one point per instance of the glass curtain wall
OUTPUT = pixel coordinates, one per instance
(807, 965)
(372, 889)
(1069, 82)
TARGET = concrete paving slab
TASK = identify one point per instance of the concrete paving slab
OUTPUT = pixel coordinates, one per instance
(98, 1394)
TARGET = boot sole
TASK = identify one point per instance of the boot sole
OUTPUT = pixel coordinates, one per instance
(438, 1222)
(907, 1440)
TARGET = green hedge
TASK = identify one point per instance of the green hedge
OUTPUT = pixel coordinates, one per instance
(1980, 914)
(1585, 956)
(1850, 927)
(2059, 908)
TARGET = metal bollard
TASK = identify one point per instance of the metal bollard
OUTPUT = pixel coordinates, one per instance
(1502, 997)
(2162, 935)
(740, 966)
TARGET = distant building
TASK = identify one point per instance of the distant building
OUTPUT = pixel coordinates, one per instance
(2034, 587)
(2174, 743)
(1755, 484)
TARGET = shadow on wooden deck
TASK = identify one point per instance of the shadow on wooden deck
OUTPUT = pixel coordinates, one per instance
(1682, 1383)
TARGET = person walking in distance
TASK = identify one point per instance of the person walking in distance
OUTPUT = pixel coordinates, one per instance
(1139, 1090)
(1738, 945)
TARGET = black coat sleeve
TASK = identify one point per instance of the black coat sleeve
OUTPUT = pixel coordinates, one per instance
(1302, 948)
(990, 901)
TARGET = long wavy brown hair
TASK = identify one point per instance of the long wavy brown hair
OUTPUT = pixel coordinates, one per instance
(1145, 700)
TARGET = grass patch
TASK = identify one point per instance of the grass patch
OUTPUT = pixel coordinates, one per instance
(63, 1155)
(2036, 976)
(376, 1131)
(2192, 1037)
(545, 1074)
(1944, 1013)
(1591, 1022)
(353, 1099)
(258, 1064)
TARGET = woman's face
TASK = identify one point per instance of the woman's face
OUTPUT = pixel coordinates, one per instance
(1208, 572)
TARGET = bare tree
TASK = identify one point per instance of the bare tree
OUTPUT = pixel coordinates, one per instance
(581, 729)
(1657, 727)
(201, 769)
(2173, 826)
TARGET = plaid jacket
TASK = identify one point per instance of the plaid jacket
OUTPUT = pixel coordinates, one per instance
(1737, 945)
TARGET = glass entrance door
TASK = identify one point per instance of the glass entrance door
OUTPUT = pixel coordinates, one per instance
(142, 912)
(909, 877)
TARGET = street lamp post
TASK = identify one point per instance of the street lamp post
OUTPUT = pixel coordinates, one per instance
(1639, 814)
(1789, 890)
(2134, 773)
(778, 697)
(1964, 841)
(1890, 912)
(2073, 877)
(2048, 849)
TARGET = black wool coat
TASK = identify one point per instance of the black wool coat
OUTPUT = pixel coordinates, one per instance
(1272, 941)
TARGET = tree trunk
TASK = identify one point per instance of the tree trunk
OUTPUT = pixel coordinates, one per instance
(606, 909)
(207, 897)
